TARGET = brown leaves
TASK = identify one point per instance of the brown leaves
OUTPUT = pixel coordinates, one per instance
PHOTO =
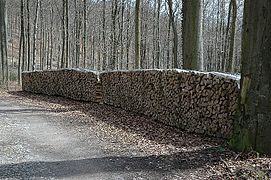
(124, 132)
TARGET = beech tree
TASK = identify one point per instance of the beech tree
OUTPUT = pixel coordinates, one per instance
(192, 35)
(175, 33)
(35, 34)
(233, 11)
(253, 126)
(137, 35)
(3, 43)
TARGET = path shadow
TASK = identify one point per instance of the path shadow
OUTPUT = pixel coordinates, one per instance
(128, 121)
(29, 110)
(20, 111)
(67, 168)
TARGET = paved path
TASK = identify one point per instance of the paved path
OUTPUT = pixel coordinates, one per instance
(36, 143)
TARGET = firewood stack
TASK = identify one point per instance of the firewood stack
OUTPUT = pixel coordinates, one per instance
(71, 83)
(197, 102)
(40, 82)
(204, 103)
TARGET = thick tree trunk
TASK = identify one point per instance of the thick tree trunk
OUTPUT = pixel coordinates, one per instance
(192, 32)
(253, 128)
(175, 35)
(225, 49)
(230, 63)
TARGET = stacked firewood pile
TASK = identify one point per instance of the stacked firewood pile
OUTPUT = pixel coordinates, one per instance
(197, 102)
(71, 83)
(204, 103)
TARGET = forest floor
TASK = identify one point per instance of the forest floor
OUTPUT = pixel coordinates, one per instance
(54, 137)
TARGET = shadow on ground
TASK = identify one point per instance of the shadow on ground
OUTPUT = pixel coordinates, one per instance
(20, 111)
(130, 122)
(160, 164)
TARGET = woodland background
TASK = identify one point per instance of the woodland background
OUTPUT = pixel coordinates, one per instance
(99, 35)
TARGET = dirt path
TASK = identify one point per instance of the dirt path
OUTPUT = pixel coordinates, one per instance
(45, 137)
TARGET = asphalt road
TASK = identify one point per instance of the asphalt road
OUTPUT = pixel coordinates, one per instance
(37, 143)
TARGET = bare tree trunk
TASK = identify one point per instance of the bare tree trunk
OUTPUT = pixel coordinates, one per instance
(99, 51)
(77, 34)
(85, 34)
(192, 34)
(158, 35)
(154, 36)
(35, 35)
(104, 42)
(93, 49)
(175, 35)
(22, 44)
(51, 36)
(137, 35)
(252, 127)
(114, 43)
(28, 36)
(47, 48)
(67, 33)
(128, 37)
(168, 44)
(230, 63)
(225, 50)
(42, 19)
(63, 35)
(12, 44)
(121, 34)
(3, 42)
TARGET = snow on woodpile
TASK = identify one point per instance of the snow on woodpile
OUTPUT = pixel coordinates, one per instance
(72, 83)
(194, 101)
(200, 102)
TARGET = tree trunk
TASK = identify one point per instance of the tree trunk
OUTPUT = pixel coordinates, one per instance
(3, 42)
(192, 32)
(229, 67)
(104, 37)
(77, 22)
(85, 34)
(175, 35)
(252, 128)
(225, 50)
(137, 35)
(158, 35)
(114, 43)
(35, 35)
(67, 33)
(128, 37)
(63, 35)
(51, 36)
(121, 34)
(28, 36)
(22, 44)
